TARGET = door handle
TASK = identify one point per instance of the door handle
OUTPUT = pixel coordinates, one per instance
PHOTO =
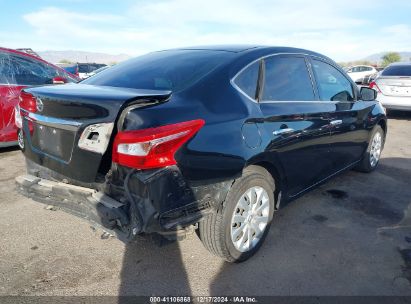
(336, 122)
(283, 131)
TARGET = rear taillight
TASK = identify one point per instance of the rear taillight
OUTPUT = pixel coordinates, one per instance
(373, 85)
(154, 147)
(27, 102)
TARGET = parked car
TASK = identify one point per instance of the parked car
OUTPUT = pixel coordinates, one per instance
(98, 70)
(19, 70)
(370, 78)
(212, 138)
(394, 86)
(85, 69)
(72, 68)
(359, 72)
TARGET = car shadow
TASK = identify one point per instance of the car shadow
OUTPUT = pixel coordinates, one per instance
(403, 115)
(325, 244)
(152, 268)
(9, 149)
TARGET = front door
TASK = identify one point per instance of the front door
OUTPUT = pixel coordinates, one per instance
(347, 120)
(298, 123)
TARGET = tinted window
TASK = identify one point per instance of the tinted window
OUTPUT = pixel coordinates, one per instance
(397, 70)
(167, 70)
(247, 79)
(287, 78)
(89, 67)
(332, 84)
(83, 68)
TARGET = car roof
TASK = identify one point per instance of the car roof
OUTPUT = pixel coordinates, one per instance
(234, 48)
(401, 63)
(240, 48)
(2, 49)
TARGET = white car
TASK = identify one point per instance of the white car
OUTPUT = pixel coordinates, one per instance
(359, 72)
(394, 86)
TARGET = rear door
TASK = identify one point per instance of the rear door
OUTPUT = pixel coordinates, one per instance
(296, 122)
(349, 117)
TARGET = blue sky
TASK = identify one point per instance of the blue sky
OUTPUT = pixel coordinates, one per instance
(343, 30)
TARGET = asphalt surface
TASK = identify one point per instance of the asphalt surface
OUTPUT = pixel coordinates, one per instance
(351, 236)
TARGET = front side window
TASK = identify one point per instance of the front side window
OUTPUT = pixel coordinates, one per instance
(287, 79)
(332, 84)
(247, 80)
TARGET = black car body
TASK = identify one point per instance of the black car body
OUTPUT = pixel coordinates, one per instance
(211, 115)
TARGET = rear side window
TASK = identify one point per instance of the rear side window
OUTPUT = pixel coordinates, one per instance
(28, 71)
(397, 70)
(247, 80)
(332, 84)
(6, 70)
(287, 79)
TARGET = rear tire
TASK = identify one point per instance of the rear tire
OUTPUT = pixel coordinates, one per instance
(237, 230)
(372, 155)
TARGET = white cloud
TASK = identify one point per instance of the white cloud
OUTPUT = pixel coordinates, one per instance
(329, 27)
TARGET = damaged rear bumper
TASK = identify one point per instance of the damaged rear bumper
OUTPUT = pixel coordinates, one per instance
(83, 202)
(129, 202)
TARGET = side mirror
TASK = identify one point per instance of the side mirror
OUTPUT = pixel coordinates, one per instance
(368, 94)
(59, 80)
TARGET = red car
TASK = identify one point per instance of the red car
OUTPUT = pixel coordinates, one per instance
(17, 71)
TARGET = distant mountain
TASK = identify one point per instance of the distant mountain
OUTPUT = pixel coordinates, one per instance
(81, 56)
(406, 56)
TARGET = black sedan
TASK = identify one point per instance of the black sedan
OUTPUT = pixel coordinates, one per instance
(210, 138)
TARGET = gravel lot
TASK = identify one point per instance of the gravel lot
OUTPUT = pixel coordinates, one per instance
(352, 236)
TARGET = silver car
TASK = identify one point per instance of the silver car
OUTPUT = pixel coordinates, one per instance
(394, 86)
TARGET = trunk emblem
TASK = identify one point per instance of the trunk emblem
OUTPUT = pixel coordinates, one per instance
(39, 104)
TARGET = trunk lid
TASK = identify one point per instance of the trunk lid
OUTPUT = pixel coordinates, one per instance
(399, 86)
(71, 130)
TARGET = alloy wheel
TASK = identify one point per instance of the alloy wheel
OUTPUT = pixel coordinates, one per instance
(250, 218)
(375, 151)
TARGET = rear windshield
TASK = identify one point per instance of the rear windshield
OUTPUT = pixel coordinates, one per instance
(168, 70)
(397, 70)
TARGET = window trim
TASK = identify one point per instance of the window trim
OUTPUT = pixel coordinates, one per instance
(307, 58)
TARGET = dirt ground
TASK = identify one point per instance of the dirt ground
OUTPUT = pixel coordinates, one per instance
(351, 236)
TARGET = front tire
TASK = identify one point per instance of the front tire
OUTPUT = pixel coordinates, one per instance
(237, 230)
(372, 155)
